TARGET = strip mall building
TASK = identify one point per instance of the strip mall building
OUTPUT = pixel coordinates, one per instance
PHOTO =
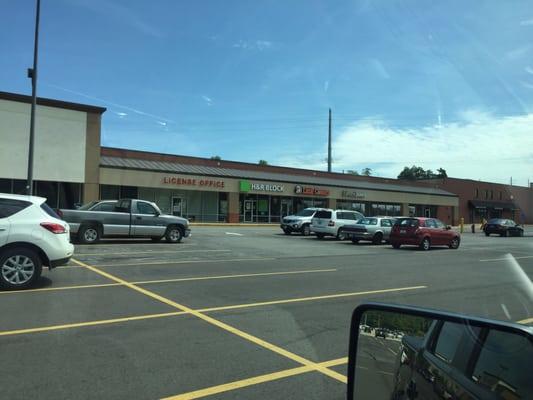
(72, 167)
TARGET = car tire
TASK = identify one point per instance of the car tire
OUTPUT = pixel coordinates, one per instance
(396, 245)
(425, 244)
(378, 238)
(454, 244)
(89, 234)
(22, 264)
(341, 234)
(156, 238)
(174, 234)
(286, 232)
(320, 236)
(355, 241)
(306, 230)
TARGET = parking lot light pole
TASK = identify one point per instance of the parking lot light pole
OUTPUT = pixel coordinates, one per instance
(32, 74)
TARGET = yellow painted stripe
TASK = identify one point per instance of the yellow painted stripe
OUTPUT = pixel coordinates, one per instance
(506, 258)
(300, 299)
(220, 324)
(526, 321)
(220, 260)
(89, 323)
(198, 278)
(253, 381)
(151, 252)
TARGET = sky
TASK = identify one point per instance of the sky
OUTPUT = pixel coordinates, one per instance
(434, 84)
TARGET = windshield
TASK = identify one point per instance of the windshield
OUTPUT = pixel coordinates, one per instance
(226, 152)
(305, 213)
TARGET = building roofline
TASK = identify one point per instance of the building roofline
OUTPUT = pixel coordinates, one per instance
(42, 101)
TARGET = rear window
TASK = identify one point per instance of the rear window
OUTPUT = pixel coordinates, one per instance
(496, 221)
(49, 210)
(408, 222)
(323, 214)
(9, 207)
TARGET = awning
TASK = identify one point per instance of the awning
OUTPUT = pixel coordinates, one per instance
(496, 205)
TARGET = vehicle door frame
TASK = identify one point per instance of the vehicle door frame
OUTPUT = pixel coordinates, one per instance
(119, 222)
(386, 229)
(147, 224)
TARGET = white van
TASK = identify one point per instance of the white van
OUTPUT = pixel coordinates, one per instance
(328, 222)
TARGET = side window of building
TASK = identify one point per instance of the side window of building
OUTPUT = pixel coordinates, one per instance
(492, 194)
(9, 207)
(476, 193)
(486, 194)
(501, 195)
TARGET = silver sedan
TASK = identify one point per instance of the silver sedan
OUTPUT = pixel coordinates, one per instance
(373, 229)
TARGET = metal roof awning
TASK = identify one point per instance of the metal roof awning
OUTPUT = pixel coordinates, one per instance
(496, 205)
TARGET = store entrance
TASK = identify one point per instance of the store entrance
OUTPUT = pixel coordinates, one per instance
(286, 207)
(249, 210)
(179, 206)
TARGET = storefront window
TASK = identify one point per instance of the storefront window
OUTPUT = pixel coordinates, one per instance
(109, 192)
(223, 207)
(5, 185)
(349, 205)
(69, 194)
(48, 190)
(128, 192)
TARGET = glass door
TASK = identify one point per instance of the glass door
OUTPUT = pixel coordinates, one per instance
(286, 208)
(178, 206)
(249, 210)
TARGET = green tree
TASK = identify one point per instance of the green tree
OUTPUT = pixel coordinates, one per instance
(216, 158)
(352, 172)
(441, 173)
(366, 171)
(263, 162)
(415, 173)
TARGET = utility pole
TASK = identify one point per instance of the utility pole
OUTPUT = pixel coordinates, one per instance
(32, 74)
(329, 142)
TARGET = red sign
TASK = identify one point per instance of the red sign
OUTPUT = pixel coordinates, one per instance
(310, 191)
(179, 181)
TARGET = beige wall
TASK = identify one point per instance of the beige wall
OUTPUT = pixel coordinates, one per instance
(112, 176)
(60, 142)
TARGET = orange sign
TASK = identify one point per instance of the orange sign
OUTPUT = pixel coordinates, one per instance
(310, 191)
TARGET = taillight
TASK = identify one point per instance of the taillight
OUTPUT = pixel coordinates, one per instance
(53, 227)
(331, 223)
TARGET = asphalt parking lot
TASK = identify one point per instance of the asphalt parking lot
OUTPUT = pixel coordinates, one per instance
(234, 312)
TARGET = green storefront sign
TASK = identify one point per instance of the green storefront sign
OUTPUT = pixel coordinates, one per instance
(244, 186)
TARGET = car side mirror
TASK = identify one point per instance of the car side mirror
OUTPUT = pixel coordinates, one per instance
(395, 353)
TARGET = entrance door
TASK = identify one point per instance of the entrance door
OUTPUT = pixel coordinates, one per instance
(427, 212)
(249, 210)
(286, 208)
(178, 206)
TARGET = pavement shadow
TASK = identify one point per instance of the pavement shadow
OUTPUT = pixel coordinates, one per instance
(42, 283)
(125, 241)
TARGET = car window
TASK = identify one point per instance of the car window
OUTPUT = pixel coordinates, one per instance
(9, 207)
(104, 207)
(386, 222)
(123, 206)
(408, 222)
(448, 341)
(323, 214)
(368, 221)
(353, 216)
(145, 208)
(439, 224)
(47, 209)
(429, 223)
(504, 363)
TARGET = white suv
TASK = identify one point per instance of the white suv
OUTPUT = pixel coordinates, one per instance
(31, 235)
(329, 222)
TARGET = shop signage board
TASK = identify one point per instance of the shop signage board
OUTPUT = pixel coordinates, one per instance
(246, 186)
(310, 190)
(353, 194)
(186, 181)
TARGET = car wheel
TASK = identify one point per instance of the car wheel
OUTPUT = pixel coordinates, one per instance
(320, 236)
(454, 244)
(174, 234)
(89, 234)
(355, 241)
(20, 267)
(487, 234)
(306, 230)
(396, 245)
(286, 232)
(341, 235)
(377, 239)
(425, 244)
(156, 238)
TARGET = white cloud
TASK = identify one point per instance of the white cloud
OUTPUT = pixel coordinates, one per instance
(379, 68)
(258, 45)
(121, 114)
(161, 123)
(529, 70)
(480, 146)
(208, 100)
(518, 52)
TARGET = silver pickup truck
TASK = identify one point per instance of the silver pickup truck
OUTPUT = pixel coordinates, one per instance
(124, 218)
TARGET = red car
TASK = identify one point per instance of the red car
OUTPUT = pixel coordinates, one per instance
(424, 233)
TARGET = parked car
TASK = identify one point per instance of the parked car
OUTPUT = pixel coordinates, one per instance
(31, 236)
(299, 222)
(380, 333)
(424, 233)
(129, 218)
(327, 222)
(503, 227)
(374, 229)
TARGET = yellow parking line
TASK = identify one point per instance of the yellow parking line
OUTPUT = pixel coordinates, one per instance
(505, 258)
(89, 323)
(526, 321)
(203, 310)
(153, 252)
(253, 381)
(220, 324)
(184, 262)
(198, 278)
(300, 299)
